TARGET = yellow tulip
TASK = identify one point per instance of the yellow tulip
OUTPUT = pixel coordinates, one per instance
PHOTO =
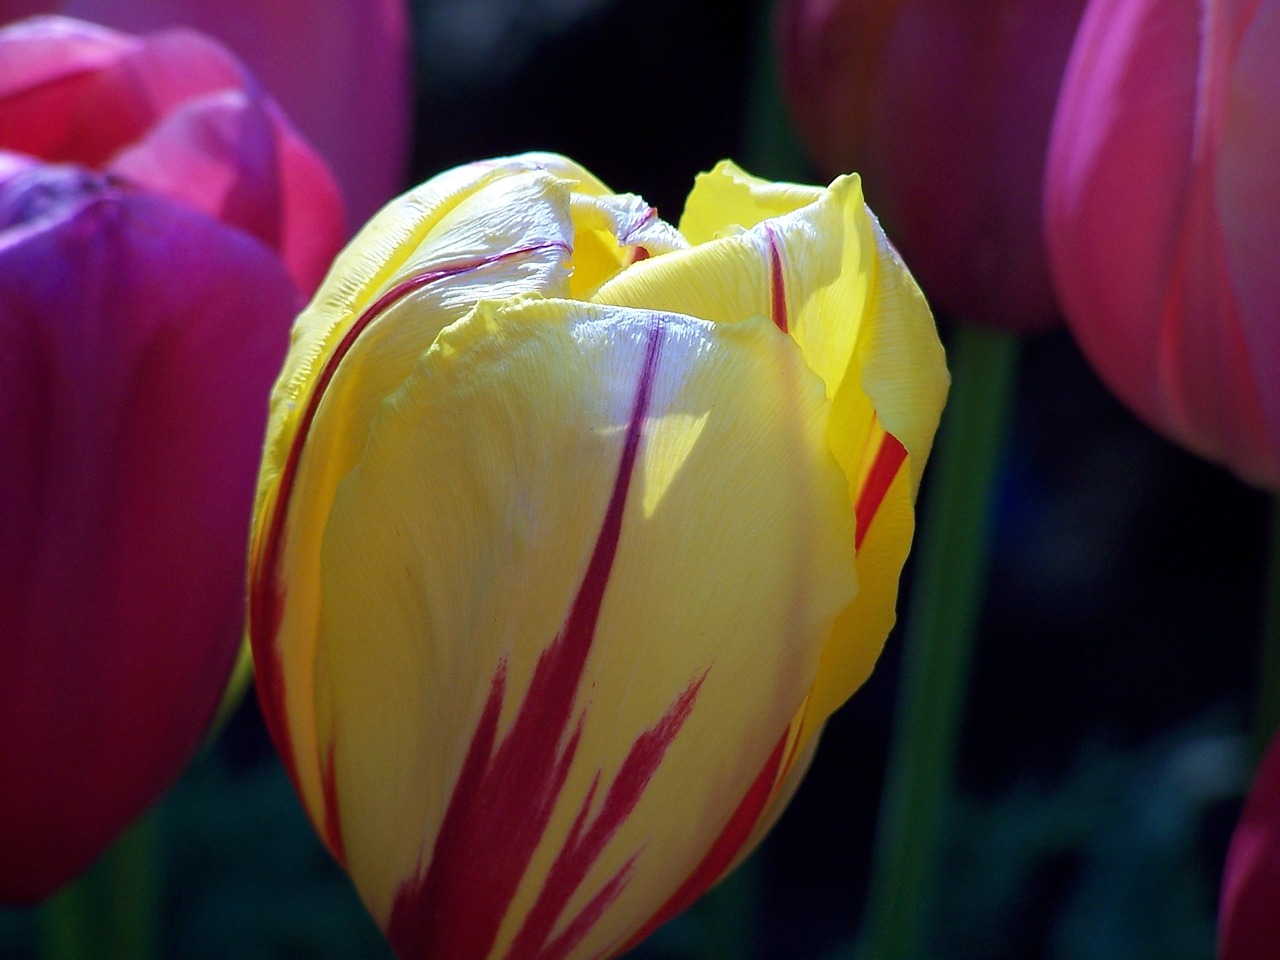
(572, 530)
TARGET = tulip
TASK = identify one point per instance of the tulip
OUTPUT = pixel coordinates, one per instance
(1162, 207)
(1248, 926)
(174, 114)
(159, 222)
(945, 106)
(138, 340)
(572, 530)
(341, 69)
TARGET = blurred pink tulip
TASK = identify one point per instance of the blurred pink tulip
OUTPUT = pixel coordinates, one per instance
(944, 107)
(1162, 208)
(159, 225)
(1248, 918)
(339, 68)
(176, 114)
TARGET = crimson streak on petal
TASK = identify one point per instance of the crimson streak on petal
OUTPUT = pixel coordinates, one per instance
(581, 849)
(266, 594)
(720, 854)
(504, 798)
(777, 288)
(890, 456)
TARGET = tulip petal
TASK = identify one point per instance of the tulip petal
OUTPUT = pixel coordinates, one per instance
(1138, 253)
(1248, 196)
(502, 588)
(417, 267)
(1247, 928)
(234, 156)
(128, 467)
(66, 115)
(342, 73)
(48, 65)
(822, 269)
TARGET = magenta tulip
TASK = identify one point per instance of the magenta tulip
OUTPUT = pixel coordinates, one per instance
(944, 106)
(1162, 207)
(340, 68)
(160, 223)
(1248, 918)
(175, 114)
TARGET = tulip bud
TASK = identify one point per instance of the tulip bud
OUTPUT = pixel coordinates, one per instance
(1162, 207)
(356, 109)
(1248, 926)
(572, 530)
(138, 340)
(173, 114)
(945, 107)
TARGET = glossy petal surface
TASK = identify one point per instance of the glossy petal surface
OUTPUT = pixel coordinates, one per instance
(128, 469)
(517, 511)
(587, 500)
(818, 265)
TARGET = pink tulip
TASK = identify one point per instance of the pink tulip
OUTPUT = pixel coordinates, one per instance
(341, 69)
(1248, 918)
(176, 114)
(944, 107)
(159, 222)
(1162, 208)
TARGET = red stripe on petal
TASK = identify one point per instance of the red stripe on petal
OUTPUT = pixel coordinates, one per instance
(777, 289)
(591, 913)
(332, 820)
(266, 590)
(577, 856)
(496, 818)
(723, 850)
(650, 214)
(890, 456)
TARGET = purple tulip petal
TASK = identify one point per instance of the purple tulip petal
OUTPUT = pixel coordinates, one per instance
(238, 159)
(138, 342)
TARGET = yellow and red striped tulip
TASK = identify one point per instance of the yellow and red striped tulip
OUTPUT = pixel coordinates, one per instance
(572, 530)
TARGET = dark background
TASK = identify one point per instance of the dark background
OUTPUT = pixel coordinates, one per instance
(1104, 750)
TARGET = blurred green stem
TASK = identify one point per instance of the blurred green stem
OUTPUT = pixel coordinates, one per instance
(941, 619)
(111, 911)
(65, 924)
(1267, 709)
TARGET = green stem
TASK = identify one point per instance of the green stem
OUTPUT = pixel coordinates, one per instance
(1267, 710)
(110, 912)
(64, 924)
(132, 892)
(941, 619)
